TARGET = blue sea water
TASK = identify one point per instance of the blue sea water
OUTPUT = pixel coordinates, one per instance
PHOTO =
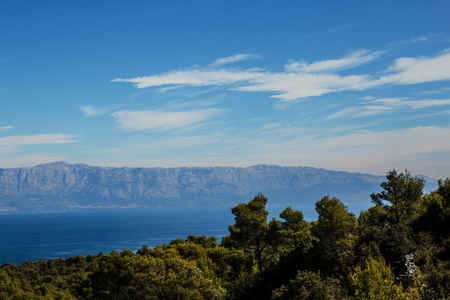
(43, 235)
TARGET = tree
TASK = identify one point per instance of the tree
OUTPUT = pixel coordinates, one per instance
(181, 279)
(401, 192)
(375, 280)
(435, 214)
(230, 264)
(115, 276)
(335, 230)
(294, 228)
(203, 240)
(444, 207)
(251, 228)
(438, 282)
(130, 276)
(309, 285)
(379, 238)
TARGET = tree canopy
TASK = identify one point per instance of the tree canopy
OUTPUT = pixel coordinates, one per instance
(401, 191)
(337, 256)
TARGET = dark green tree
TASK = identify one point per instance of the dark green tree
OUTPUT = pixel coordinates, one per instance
(309, 285)
(294, 228)
(125, 275)
(436, 217)
(401, 192)
(336, 231)
(250, 231)
(378, 237)
(203, 240)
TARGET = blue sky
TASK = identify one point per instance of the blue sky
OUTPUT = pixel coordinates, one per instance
(343, 85)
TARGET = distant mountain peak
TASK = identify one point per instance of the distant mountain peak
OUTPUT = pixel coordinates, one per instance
(56, 164)
(59, 164)
(61, 185)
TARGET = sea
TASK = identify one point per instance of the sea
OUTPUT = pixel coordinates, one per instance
(33, 236)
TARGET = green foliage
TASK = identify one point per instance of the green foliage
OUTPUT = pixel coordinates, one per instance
(336, 257)
(52, 279)
(375, 281)
(375, 216)
(230, 264)
(435, 216)
(309, 285)
(250, 229)
(335, 230)
(437, 282)
(401, 192)
(389, 241)
(294, 229)
(202, 240)
(128, 276)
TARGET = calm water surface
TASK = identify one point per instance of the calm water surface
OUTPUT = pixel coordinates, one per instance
(36, 236)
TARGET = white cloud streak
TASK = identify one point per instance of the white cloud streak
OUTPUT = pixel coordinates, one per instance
(161, 120)
(308, 79)
(414, 104)
(19, 140)
(346, 112)
(352, 60)
(9, 144)
(201, 77)
(373, 106)
(235, 58)
(410, 70)
(6, 127)
(414, 40)
(90, 111)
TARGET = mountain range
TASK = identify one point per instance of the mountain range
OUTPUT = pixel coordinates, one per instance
(63, 186)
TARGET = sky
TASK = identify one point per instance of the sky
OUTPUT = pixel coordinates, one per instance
(358, 86)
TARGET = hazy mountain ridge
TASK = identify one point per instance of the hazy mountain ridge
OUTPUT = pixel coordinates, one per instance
(61, 185)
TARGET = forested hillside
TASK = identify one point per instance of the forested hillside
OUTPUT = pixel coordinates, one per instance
(397, 249)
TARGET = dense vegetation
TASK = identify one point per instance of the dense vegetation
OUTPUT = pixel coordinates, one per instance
(398, 249)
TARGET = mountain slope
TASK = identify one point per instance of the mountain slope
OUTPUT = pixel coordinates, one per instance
(61, 185)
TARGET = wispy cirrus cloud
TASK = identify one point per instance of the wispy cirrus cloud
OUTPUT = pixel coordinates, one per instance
(6, 127)
(235, 58)
(9, 144)
(292, 86)
(344, 113)
(372, 106)
(351, 60)
(199, 77)
(411, 70)
(306, 80)
(414, 104)
(90, 111)
(19, 140)
(161, 120)
(438, 91)
(413, 40)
